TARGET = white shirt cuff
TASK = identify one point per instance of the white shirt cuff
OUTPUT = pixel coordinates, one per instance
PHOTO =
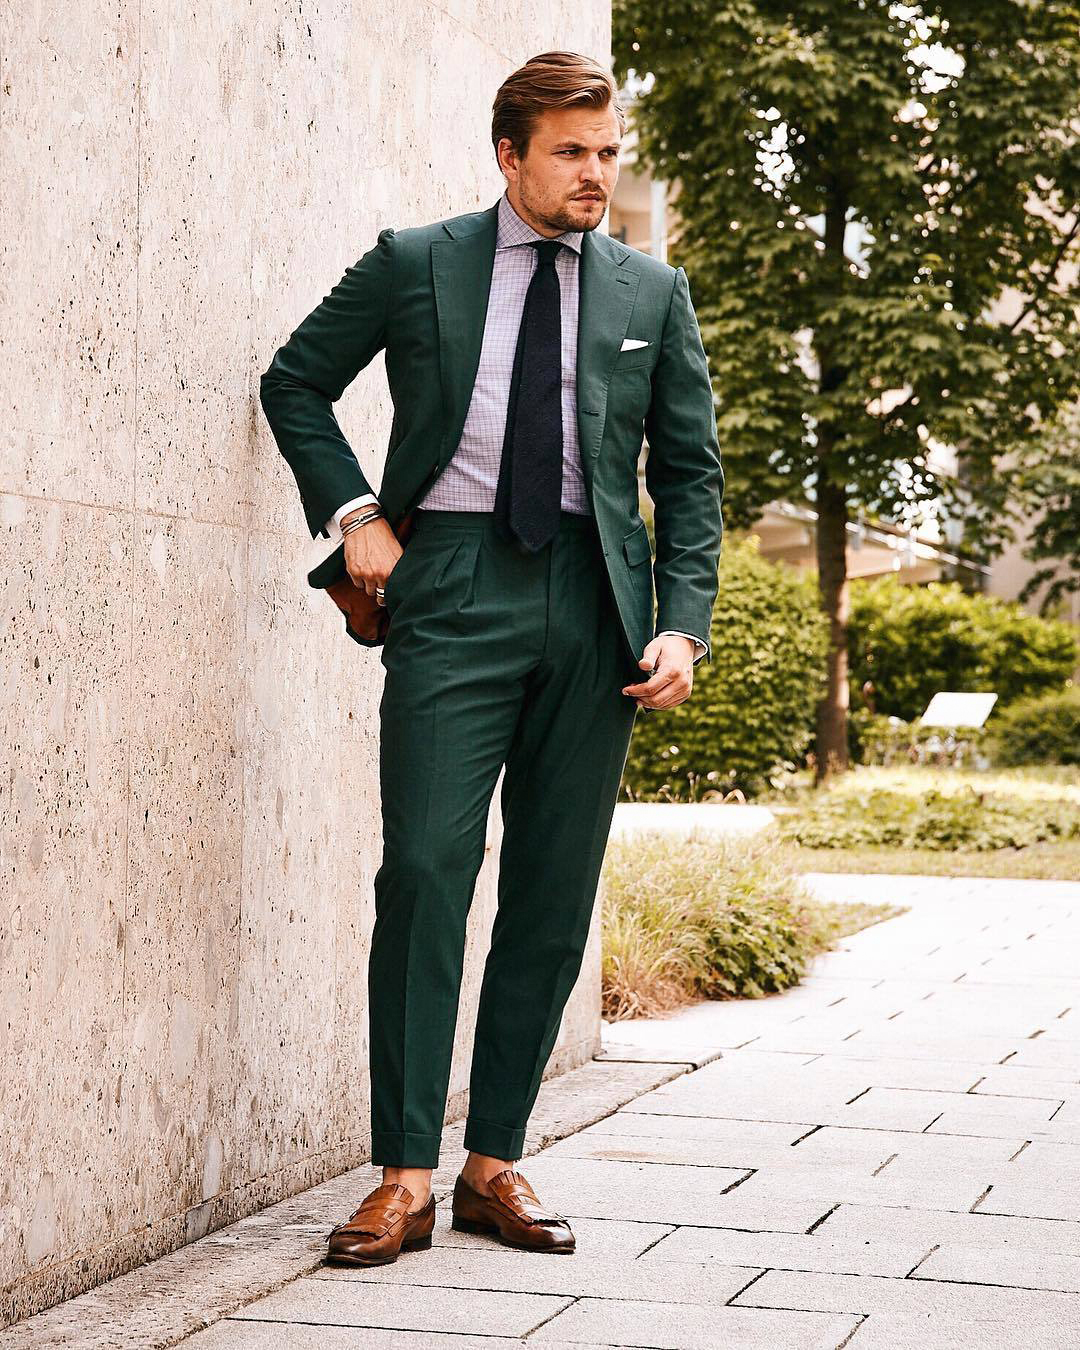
(333, 525)
(700, 647)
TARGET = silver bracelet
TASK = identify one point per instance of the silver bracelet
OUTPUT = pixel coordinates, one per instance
(357, 521)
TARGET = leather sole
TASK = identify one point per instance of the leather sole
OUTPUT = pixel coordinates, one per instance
(420, 1244)
(478, 1226)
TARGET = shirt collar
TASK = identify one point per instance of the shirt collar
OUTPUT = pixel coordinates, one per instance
(512, 230)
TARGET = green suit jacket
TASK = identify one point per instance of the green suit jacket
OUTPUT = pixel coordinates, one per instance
(420, 295)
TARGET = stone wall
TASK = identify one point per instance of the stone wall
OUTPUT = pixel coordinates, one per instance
(189, 793)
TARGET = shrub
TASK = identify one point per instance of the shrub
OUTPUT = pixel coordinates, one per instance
(912, 641)
(876, 739)
(932, 820)
(1038, 731)
(697, 916)
(752, 709)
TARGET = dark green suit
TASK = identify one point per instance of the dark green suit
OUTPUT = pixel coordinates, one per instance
(498, 659)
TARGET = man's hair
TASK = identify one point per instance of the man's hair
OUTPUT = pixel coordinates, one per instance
(550, 80)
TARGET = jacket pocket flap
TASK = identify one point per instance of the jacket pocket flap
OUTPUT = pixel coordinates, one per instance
(636, 545)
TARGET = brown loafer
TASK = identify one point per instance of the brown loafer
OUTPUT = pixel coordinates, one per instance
(381, 1228)
(513, 1212)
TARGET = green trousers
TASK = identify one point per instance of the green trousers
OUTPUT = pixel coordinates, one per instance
(493, 657)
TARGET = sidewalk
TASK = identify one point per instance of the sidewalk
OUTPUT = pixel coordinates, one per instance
(887, 1156)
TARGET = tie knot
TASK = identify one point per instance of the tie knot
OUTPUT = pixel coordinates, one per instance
(547, 251)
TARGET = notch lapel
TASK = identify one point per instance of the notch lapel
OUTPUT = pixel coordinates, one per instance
(606, 291)
(461, 267)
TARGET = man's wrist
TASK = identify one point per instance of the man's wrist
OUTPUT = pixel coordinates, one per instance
(700, 646)
(347, 508)
(356, 520)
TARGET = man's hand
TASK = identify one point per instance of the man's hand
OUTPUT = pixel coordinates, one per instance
(371, 552)
(673, 657)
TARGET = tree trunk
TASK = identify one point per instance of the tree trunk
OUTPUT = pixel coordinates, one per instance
(832, 712)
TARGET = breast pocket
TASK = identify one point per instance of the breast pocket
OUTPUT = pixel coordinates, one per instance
(636, 358)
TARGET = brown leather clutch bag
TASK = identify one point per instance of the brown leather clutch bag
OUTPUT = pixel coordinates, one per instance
(365, 618)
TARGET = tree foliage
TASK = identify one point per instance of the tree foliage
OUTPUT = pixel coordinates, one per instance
(878, 205)
(1050, 490)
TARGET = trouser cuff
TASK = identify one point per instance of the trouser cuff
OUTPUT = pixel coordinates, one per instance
(394, 1148)
(496, 1141)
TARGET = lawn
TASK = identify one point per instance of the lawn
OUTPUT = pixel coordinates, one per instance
(936, 822)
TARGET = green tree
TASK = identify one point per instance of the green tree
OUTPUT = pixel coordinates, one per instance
(877, 203)
(1050, 492)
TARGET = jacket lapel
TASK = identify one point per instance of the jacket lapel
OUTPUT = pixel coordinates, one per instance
(461, 267)
(607, 287)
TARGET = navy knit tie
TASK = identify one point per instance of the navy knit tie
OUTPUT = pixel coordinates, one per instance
(528, 497)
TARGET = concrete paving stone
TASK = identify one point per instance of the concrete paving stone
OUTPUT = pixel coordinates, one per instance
(659, 1054)
(919, 1110)
(993, 1124)
(235, 1335)
(975, 1013)
(892, 1071)
(1047, 1157)
(1011, 1268)
(836, 1144)
(682, 1150)
(783, 1099)
(888, 1332)
(681, 1326)
(747, 1133)
(661, 1194)
(785, 1251)
(1066, 1122)
(947, 966)
(1009, 1080)
(689, 1281)
(1061, 1056)
(867, 1294)
(885, 1114)
(956, 1049)
(833, 1184)
(925, 1227)
(1027, 1199)
(412, 1307)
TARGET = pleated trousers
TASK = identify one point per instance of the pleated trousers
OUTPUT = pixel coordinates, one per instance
(493, 658)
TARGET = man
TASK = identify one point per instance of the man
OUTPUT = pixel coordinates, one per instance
(526, 356)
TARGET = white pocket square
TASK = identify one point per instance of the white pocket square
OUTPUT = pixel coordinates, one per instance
(628, 344)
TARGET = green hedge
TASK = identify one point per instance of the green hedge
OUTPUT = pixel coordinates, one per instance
(752, 708)
(912, 641)
(1038, 731)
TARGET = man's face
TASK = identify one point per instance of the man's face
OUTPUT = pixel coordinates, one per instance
(569, 171)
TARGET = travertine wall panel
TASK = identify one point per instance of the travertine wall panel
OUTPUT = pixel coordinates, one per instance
(189, 797)
(66, 641)
(68, 246)
(196, 157)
